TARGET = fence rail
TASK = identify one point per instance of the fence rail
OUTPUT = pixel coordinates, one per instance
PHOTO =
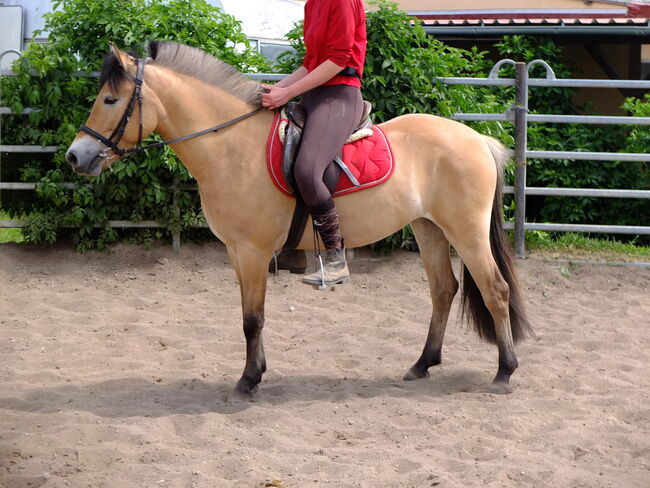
(558, 119)
(517, 114)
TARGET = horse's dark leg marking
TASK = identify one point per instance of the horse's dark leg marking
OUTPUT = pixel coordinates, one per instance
(255, 359)
(507, 365)
(434, 249)
(496, 294)
(496, 298)
(251, 267)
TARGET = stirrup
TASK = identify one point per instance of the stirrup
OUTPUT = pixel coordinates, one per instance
(323, 285)
(321, 279)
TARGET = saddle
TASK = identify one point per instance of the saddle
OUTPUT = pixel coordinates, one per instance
(290, 131)
(294, 116)
(366, 160)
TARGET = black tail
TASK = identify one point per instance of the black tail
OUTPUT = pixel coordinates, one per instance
(473, 306)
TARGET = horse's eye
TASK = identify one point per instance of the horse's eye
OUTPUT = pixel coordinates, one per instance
(110, 100)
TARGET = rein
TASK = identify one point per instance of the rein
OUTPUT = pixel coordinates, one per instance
(113, 140)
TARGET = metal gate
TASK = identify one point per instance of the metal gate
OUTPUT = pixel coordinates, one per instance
(518, 114)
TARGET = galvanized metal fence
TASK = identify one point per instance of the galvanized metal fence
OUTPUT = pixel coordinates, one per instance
(517, 114)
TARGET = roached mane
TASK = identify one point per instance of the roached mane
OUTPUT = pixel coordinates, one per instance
(189, 61)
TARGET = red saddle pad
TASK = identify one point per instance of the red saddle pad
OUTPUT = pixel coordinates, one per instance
(369, 159)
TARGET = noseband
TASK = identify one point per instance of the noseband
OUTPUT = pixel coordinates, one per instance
(114, 139)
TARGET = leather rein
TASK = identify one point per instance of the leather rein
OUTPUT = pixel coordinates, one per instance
(113, 140)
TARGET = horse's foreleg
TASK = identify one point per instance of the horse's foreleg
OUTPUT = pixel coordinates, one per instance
(434, 250)
(251, 267)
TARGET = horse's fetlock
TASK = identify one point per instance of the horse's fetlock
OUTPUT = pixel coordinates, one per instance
(507, 366)
(251, 380)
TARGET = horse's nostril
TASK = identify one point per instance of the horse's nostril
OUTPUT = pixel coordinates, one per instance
(71, 158)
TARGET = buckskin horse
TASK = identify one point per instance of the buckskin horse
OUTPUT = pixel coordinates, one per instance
(446, 184)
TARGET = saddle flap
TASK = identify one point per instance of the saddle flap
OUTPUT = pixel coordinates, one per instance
(296, 114)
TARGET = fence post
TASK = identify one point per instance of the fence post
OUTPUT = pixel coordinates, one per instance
(521, 135)
(176, 235)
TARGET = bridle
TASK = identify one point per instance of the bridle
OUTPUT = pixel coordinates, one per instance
(113, 140)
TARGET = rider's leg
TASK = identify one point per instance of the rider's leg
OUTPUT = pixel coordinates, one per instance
(332, 114)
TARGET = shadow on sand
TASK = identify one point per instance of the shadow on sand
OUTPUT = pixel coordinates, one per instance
(133, 397)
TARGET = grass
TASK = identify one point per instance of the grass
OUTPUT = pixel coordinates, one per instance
(580, 246)
(10, 235)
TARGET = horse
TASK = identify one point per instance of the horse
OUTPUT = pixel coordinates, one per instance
(446, 184)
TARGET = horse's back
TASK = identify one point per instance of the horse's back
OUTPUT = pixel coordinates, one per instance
(443, 148)
(433, 130)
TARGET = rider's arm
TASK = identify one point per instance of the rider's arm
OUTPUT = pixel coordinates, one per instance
(322, 73)
(293, 77)
(278, 95)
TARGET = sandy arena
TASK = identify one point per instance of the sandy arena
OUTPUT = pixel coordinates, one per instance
(115, 371)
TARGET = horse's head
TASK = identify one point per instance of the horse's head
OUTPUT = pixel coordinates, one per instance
(119, 119)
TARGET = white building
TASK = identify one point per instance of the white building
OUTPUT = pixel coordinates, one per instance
(265, 22)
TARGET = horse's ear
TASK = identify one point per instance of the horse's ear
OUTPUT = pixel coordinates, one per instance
(124, 59)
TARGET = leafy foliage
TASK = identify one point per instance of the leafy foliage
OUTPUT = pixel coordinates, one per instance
(140, 187)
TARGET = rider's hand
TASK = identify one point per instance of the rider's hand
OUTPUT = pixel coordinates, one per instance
(275, 96)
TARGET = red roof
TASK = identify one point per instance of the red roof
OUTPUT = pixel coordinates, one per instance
(634, 14)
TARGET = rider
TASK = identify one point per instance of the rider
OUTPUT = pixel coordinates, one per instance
(330, 79)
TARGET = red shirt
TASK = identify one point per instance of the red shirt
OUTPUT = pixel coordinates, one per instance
(335, 30)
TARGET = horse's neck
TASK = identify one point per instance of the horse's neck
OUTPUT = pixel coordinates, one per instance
(189, 105)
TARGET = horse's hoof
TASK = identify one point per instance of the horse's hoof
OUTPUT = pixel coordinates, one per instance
(500, 387)
(239, 396)
(415, 374)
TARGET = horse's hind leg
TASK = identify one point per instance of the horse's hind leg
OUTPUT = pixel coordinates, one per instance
(434, 249)
(476, 254)
(251, 267)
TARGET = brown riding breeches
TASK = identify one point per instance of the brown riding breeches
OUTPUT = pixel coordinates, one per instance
(333, 112)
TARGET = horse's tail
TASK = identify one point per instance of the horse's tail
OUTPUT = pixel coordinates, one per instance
(473, 305)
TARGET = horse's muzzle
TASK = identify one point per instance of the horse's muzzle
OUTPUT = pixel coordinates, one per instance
(86, 156)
